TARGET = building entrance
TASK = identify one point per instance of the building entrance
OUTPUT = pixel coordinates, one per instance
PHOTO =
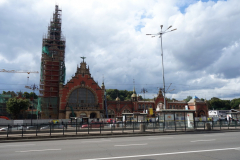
(93, 115)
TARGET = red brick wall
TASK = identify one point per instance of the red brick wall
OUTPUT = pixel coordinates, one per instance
(74, 83)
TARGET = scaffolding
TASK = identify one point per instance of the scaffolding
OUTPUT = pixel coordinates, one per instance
(53, 70)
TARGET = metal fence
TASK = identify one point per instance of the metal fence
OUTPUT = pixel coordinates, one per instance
(120, 127)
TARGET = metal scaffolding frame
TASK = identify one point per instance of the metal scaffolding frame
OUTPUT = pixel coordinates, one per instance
(53, 70)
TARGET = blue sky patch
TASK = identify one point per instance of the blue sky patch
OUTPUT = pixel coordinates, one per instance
(183, 7)
(139, 27)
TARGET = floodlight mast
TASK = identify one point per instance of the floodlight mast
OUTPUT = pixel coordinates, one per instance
(160, 36)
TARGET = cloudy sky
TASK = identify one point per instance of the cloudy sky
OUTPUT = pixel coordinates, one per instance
(202, 57)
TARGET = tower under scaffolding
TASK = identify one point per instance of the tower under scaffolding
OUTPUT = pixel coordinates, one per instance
(52, 67)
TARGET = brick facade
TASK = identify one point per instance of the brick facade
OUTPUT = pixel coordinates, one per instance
(83, 79)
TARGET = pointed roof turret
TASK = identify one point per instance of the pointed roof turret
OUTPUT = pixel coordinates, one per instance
(83, 68)
(134, 93)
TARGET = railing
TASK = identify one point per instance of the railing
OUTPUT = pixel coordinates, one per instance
(96, 128)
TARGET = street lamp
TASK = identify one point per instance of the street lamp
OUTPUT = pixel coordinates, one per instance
(33, 87)
(160, 36)
(144, 91)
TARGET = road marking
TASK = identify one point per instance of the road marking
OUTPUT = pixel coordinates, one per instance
(160, 138)
(130, 145)
(214, 135)
(204, 140)
(94, 141)
(163, 154)
(39, 150)
(18, 145)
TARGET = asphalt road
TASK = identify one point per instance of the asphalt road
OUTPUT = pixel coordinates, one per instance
(209, 146)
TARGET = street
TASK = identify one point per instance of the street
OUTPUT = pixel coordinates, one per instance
(210, 146)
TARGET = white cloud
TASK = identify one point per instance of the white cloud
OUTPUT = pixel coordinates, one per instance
(200, 57)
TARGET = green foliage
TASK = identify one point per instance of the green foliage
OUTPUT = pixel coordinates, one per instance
(218, 104)
(226, 105)
(30, 95)
(171, 100)
(33, 94)
(12, 93)
(17, 105)
(188, 98)
(112, 94)
(235, 103)
(140, 98)
(26, 95)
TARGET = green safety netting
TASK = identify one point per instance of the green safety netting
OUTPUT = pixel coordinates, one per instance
(45, 50)
(41, 73)
(4, 98)
(39, 104)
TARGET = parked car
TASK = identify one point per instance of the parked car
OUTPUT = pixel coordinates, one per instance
(15, 128)
(93, 125)
(31, 127)
(110, 120)
(19, 128)
(3, 129)
(53, 127)
(117, 124)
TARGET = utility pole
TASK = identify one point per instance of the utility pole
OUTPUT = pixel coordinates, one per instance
(160, 36)
(33, 87)
(144, 91)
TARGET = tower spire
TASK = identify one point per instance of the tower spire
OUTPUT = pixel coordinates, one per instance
(134, 96)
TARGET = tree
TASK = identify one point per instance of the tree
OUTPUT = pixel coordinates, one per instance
(188, 98)
(226, 104)
(235, 103)
(112, 94)
(12, 93)
(26, 95)
(140, 97)
(17, 105)
(33, 95)
(215, 103)
(218, 104)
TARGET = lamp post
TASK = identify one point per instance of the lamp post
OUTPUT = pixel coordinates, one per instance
(144, 91)
(160, 36)
(33, 87)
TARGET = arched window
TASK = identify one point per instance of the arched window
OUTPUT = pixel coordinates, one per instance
(72, 115)
(81, 97)
(139, 106)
